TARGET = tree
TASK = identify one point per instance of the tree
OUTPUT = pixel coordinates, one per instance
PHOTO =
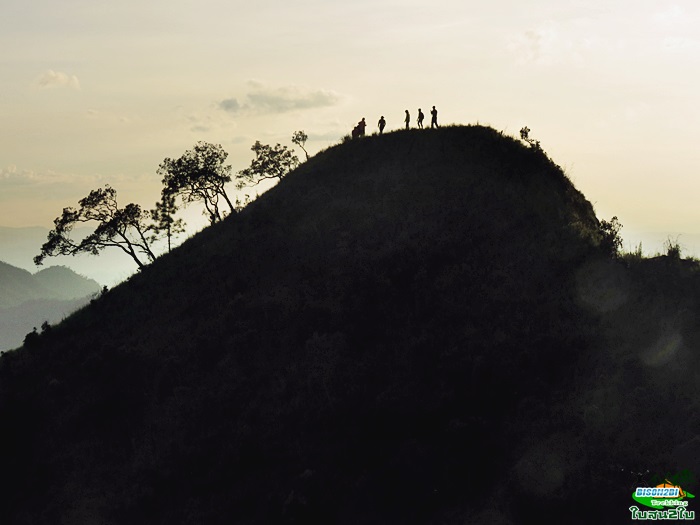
(299, 138)
(199, 175)
(269, 163)
(164, 222)
(611, 241)
(124, 228)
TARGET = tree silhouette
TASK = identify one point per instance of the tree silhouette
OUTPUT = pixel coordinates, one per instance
(299, 138)
(199, 175)
(124, 228)
(164, 222)
(269, 163)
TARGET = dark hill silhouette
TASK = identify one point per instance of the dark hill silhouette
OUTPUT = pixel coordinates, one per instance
(409, 328)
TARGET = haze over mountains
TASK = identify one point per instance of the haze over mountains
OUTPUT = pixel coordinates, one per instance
(19, 246)
(420, 327)
(27, 300)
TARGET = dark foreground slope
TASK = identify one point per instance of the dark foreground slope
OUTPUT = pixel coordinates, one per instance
(402, 331)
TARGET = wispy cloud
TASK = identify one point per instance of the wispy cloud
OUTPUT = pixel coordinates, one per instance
(230, 104)
(54, 79)
(546, 45)
(261, 99)
(596, 38)
(12, 176)
(669, 16)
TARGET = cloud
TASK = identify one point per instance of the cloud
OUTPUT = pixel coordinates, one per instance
(549, 44)
(202, 123)
(264, 100)
(288, 99)
(670, 16)
(52, 79)
(13, 177)
(10, 175)
(681, 44)
(230, 104)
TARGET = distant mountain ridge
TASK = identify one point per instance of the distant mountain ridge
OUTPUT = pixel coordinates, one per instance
(18, 246)
(27, 300)
(65, 283)
(18, 286)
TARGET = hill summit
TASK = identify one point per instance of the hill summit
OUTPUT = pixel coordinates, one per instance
(395, 333)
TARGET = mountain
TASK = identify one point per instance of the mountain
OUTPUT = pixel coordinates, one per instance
(18, 246)
(56, 282)
(27, 300)
(18, 286)
(419, 327)
(64, 283)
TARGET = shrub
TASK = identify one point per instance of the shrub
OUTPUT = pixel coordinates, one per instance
(673, 249)
(611, 242)
(634, 256)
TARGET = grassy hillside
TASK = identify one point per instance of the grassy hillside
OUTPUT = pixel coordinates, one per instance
(18, 321)
(412, 328)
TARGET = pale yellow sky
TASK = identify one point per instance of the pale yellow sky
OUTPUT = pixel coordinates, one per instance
(97, 92)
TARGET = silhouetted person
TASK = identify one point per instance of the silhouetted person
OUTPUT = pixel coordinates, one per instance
(525, 133)
(420, 118)
(361, 127)
(433, 118)
(382, 124)
(407, 120)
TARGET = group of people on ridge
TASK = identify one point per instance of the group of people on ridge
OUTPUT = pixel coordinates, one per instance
(421, 116)
(359, 130)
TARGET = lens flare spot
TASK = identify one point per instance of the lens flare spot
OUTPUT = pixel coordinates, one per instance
(665, 349)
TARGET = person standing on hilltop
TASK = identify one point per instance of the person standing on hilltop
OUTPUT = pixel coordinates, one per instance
(361, 127)
(381, 124)
(433, 118)
(420, 118)
(407, 120)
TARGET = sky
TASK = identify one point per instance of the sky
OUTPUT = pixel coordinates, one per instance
(95, 92)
